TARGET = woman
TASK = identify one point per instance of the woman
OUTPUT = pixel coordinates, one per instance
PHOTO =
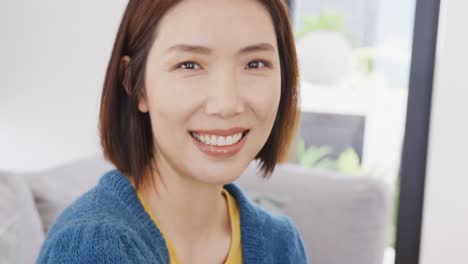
(194, 92)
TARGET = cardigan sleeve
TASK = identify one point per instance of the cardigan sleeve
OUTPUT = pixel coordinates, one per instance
(90, 243)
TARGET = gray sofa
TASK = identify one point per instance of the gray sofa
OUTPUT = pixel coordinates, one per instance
(342, 219)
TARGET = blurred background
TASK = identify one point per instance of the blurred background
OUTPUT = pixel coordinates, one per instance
(355, 61)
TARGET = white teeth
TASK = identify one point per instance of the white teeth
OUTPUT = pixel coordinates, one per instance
(218, 140)
(229, 140)
(221, 141)
(213, 140)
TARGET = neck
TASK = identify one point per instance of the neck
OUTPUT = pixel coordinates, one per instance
(187, 210)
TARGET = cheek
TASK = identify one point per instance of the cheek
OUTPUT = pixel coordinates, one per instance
(173, 99)
(264, 97)
(168, 110)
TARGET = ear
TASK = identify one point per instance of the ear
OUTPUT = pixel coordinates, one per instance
(143, 103)
(126, 77)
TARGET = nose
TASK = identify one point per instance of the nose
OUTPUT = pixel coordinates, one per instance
(224, 98)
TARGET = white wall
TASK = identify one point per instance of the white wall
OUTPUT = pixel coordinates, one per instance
(54, 58)
(445, 223)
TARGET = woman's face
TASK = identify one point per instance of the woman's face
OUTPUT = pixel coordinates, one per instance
(215, 66)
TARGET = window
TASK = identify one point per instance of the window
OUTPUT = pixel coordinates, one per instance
(355, 61)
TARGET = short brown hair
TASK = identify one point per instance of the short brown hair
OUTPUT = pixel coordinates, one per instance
(126, 135)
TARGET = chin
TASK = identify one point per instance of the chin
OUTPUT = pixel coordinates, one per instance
(219, 175)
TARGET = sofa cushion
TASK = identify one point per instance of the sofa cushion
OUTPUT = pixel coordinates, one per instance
(56, 188)
(342, 219)
(21, 232)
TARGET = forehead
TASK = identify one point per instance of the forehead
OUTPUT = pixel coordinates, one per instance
(219, 24)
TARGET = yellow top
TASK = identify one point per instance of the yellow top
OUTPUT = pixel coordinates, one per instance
(235, 250)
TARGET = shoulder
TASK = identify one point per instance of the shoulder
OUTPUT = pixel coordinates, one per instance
(98, 206)
(93, 242)
(277, 234)
(282, 238)
(87, 231)
(99, 227)
(280, 241)
(279, 225)
(84, 243)
(95, 206)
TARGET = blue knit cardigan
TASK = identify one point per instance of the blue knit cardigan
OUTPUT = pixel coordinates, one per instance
(109, 225)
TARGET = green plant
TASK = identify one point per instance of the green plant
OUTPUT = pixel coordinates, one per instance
(317, 157)
(313, 157)
(349, 163)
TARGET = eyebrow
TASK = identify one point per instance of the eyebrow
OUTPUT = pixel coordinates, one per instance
(205, 50)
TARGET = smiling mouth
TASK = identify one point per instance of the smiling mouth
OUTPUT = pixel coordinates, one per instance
(220, 141)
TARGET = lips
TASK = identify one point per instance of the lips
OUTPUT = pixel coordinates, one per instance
(221, 151)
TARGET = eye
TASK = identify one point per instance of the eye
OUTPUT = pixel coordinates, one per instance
(257, 64)
(188, 65)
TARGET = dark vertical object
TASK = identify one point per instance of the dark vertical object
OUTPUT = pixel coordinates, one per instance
(413, 167)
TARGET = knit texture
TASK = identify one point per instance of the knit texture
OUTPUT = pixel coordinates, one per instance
(108, 224)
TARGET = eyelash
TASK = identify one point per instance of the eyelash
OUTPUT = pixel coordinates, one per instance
(266, 64)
